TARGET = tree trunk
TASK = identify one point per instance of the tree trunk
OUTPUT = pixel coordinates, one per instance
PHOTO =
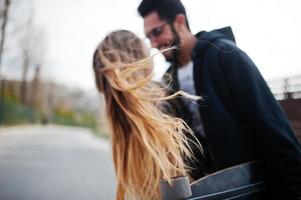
(24, 77)
(3, 28)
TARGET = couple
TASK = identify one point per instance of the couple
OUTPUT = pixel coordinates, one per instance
(155, 134)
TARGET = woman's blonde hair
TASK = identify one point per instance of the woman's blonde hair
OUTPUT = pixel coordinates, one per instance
(147, 144)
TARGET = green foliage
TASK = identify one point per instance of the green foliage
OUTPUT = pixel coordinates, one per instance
(13, 112)
(75, 119)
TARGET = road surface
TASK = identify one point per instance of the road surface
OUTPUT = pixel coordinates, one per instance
(54, 163)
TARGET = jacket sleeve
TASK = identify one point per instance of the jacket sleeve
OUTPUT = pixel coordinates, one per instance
(258, 109)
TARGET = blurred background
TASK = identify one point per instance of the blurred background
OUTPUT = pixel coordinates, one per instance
(46, 50)
(46, 76)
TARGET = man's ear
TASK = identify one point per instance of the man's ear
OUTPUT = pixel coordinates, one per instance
(180, 22)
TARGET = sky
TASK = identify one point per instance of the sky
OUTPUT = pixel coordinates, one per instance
(267, 30)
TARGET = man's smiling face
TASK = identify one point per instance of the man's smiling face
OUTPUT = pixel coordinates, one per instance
(159, 33)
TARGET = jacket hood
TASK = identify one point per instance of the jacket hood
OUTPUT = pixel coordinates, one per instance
(206, 38)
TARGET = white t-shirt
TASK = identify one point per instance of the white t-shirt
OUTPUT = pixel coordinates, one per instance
(186, 83)
(185, 77)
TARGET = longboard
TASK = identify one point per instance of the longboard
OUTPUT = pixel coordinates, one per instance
(240, 182)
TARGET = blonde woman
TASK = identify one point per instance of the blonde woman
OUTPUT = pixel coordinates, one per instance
(147, 144)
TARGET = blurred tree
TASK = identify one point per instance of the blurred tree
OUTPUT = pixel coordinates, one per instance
(4, 19)
(26, 59)
(22, 47)
(35, 93)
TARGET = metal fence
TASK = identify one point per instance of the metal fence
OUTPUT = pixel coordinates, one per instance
(288, 92)
(286, 87)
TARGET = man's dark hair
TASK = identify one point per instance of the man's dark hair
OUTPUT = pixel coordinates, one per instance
(166, 9)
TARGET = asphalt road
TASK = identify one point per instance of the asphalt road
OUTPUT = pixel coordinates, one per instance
(54, 163)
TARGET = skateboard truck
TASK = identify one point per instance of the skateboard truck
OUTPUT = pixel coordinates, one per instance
(178, 189)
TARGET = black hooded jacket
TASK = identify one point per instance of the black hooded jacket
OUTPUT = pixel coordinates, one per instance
(241, 118)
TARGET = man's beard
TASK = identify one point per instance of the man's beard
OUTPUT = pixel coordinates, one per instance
(176, 43)
(174, 53)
